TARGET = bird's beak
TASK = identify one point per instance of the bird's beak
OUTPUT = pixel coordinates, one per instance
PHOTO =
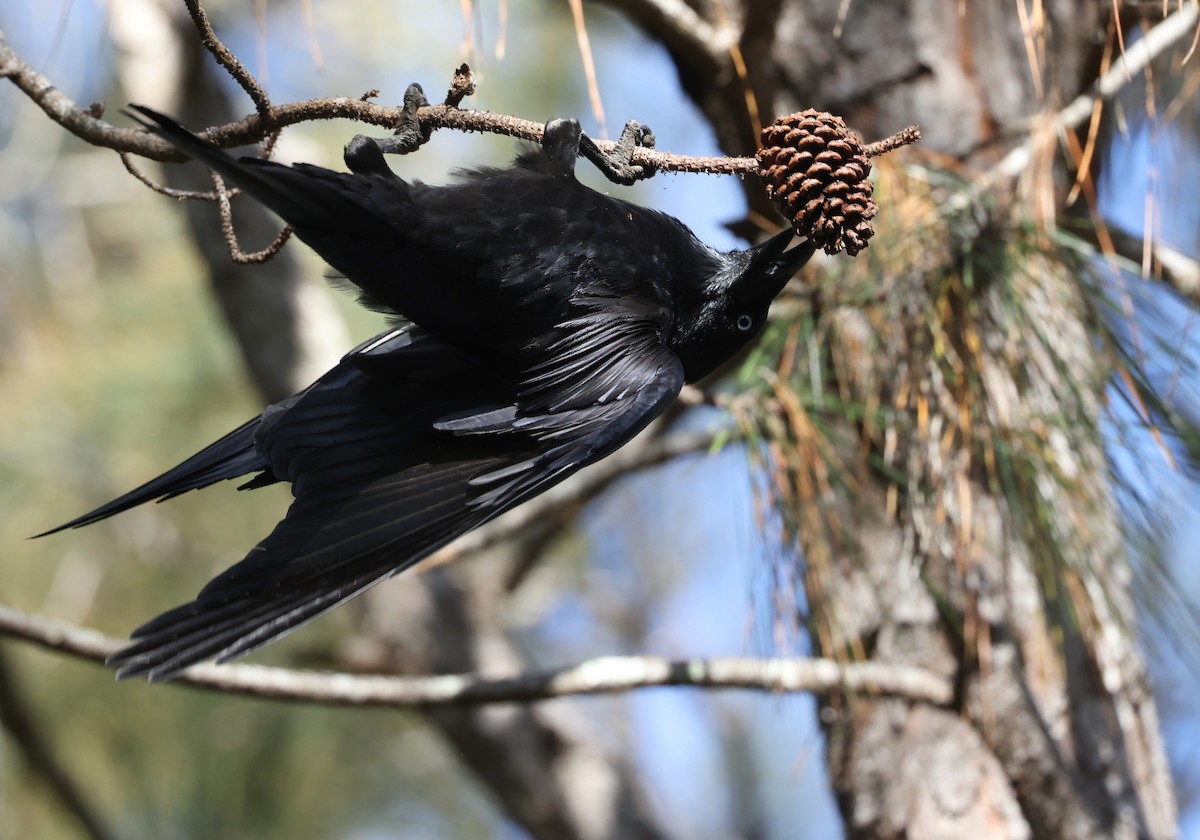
(772, 266)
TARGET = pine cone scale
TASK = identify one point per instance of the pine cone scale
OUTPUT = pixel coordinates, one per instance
(815, 170)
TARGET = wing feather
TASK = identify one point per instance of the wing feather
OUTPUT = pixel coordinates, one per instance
(386, 470)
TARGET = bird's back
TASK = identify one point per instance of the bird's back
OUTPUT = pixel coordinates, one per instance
(526, 240)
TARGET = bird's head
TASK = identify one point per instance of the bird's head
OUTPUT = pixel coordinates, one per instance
(731, 307)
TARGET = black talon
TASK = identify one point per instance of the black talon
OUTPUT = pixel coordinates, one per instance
(364, 157)
(560, 141)
(365, 154)
(618, 166)
(409, 135)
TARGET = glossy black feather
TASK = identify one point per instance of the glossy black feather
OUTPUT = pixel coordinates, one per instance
(230, 457)
(548, 324)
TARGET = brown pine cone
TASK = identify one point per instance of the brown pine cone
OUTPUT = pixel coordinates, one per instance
(815, 170)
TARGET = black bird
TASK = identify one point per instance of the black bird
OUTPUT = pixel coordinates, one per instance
(543, 325)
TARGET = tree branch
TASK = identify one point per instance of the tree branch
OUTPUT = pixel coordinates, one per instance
(86, 124)
(602, 675)
(231, 239)
(227, 59)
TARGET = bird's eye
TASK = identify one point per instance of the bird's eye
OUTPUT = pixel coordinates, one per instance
(744, 323)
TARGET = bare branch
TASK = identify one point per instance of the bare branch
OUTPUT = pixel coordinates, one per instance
(903, 137)
(270, 119)
(191, 195)
(221, 195)
(462, 86)
(252, 129)
(82, 122)
(227, 59)
(603, 675)
(235, 249)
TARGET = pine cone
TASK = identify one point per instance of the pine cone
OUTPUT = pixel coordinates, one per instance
(815, 171)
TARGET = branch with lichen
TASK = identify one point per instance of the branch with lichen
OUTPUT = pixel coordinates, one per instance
(603, 675)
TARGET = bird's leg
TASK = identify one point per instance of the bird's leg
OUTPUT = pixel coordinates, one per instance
(560, 142)
(365, 154)
(618, 165)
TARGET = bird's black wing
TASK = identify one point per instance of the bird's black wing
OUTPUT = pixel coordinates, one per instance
(236, 454)
(380, 484)
(230, 457)
(603, 380)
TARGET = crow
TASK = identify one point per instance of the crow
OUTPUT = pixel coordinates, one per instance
(539, 326)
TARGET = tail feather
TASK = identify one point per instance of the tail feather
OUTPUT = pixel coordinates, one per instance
(303, 195)
(189, 634)
(230, 457)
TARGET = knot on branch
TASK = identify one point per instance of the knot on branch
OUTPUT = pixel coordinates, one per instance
(461, 86)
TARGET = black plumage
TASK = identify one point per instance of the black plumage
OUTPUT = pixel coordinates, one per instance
(544, 325)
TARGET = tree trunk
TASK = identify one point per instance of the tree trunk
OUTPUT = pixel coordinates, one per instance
(962, 519)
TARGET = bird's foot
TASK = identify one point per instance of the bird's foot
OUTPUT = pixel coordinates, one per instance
(618, 165)
(560, 142)
(365, 154)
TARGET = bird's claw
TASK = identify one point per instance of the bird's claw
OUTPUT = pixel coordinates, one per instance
(561, 139)
(365, 154)
(618, 165)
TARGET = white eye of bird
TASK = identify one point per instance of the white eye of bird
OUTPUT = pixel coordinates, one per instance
(744, 323)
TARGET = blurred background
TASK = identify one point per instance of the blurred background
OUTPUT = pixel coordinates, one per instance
(122, 351)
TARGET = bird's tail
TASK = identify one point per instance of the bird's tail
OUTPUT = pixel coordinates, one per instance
(303, 195)
(230, 457)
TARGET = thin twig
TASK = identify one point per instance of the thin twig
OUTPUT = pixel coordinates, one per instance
(227, 59)
(235, 249)
(222, 196)
(462, 86)
(602, 675)
(903, 137)
(183, 195)
(255, 128)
